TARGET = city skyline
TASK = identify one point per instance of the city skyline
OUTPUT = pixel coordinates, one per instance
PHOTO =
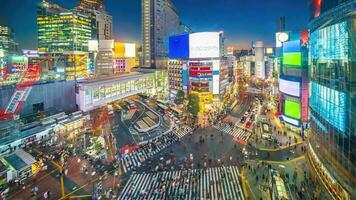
(183, 99)
(241, 26)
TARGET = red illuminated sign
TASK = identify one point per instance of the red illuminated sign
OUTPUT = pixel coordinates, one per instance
(317, 7)
(305, 95)
(305, 37)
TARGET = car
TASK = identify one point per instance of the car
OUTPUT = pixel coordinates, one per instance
(243, 119)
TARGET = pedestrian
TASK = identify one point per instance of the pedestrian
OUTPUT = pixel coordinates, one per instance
(45, 195)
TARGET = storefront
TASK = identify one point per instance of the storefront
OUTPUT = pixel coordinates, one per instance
(20, 164)
(320, 173)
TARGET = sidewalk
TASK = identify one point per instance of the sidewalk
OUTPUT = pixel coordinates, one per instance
(293, 172)
(280, 140)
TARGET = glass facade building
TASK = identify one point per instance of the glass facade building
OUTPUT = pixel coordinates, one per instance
(159, 20)
(332, 72)
(61, 30)
(7, 42)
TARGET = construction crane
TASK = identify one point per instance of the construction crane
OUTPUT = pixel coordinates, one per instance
(28, 78)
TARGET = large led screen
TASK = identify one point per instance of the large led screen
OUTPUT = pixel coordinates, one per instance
(291, 46)
(291, 121)
(292, 109)
(119, 50)
(331, 42)
(289, 87)
(179, 46)
(93, 45)
(330, 104)
(292, 59)
(204, 45)
(130, 50)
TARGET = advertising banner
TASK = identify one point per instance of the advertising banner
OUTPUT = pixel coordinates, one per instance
(204, 45)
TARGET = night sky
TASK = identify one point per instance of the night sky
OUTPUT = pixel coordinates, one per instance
(242, 20)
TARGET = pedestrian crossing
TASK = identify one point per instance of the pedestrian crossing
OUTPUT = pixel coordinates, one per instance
(183, 131)
(137, 157)
(234, 131)
(220, 183)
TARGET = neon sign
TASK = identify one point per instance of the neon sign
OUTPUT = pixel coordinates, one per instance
(317, 8)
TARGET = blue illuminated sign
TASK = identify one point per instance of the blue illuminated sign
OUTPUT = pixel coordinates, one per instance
(179, 46)
(291, 46)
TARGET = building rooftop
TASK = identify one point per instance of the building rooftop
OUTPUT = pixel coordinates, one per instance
(19, 159)
(111, 79)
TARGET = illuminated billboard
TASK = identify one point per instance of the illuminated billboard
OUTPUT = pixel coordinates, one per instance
(216, 84)
(290, 120)
(130, 50)
(124, 50)
(204, 45)
(269, 51)
(179, 46)
(292, 59)
(291, 46)
(292, 109)
(289, 87)
(119, 50)
(93, 45)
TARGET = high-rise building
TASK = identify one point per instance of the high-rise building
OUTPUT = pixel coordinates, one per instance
(63, 34)
(7, 42)
(160, 19)
(91, 5)
(332, 144)
(260, 68)
(104, 28)
(8, 47)
(104, 60)
(61, 30)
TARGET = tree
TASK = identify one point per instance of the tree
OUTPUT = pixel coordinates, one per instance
(180, 97)
(193, 105)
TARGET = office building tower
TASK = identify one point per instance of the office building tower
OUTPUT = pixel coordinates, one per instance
(63, 34)
(260, 68)
(159, 20)
(332, 144)
(104, 60)
(61, 30)
(104, 28)
(91, 5)
(7, 42)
